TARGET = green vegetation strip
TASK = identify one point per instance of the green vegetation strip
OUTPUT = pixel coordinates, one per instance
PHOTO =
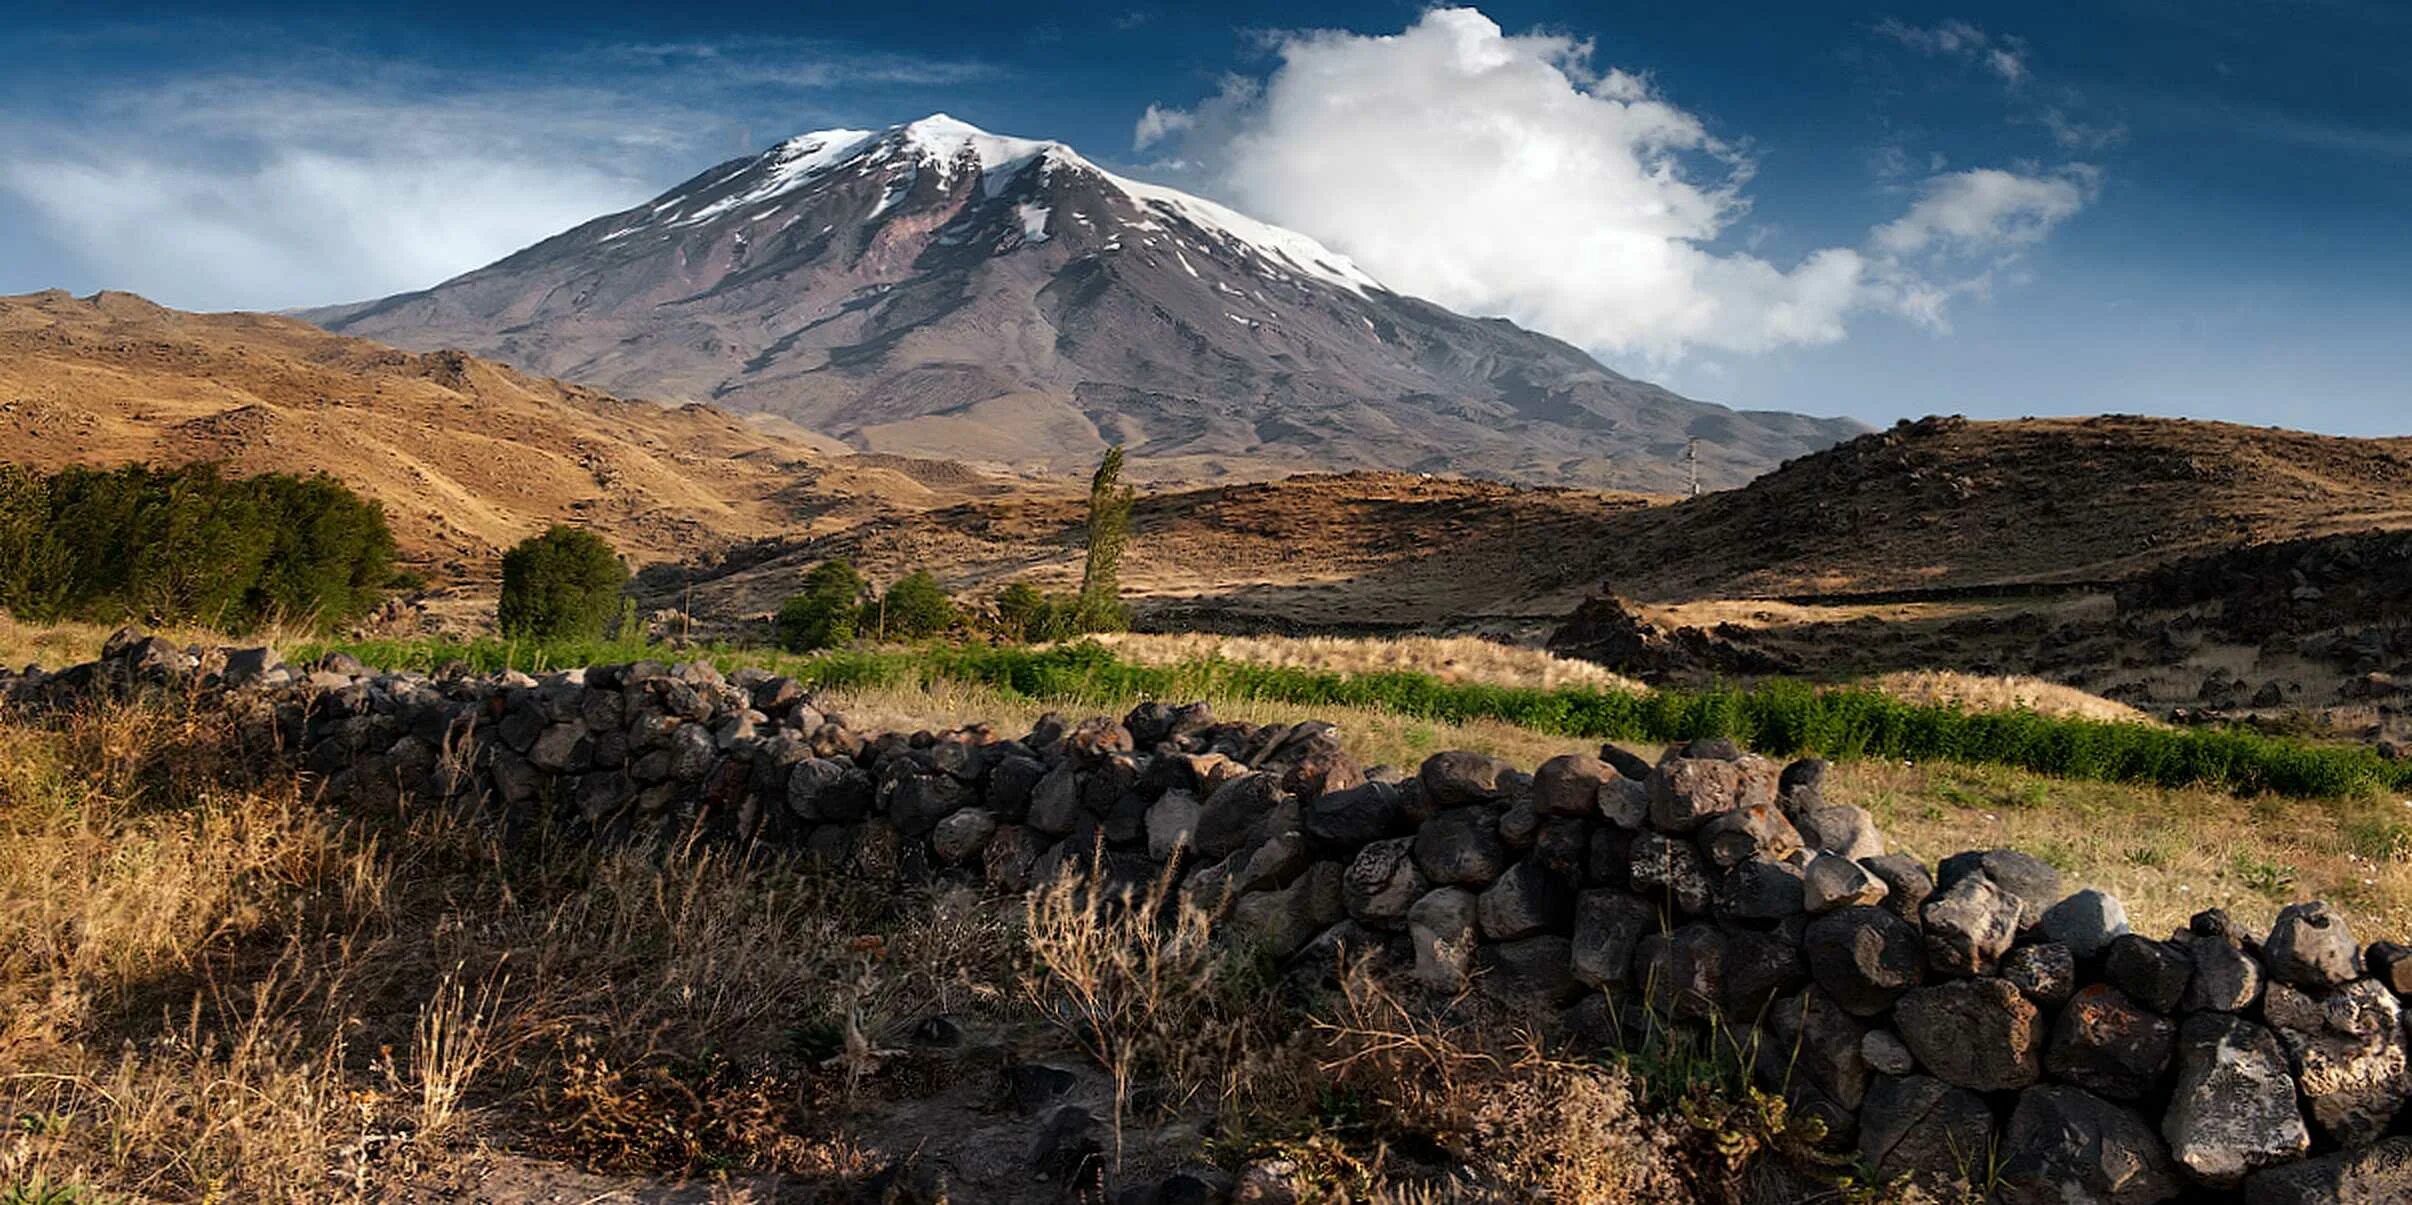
(1780, 718)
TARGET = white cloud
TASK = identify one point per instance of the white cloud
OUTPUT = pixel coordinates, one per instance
(1987, 209)
(2004, 57)
(1504, 175)
(1158, 124)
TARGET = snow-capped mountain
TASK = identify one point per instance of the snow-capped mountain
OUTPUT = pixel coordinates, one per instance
(934, 289)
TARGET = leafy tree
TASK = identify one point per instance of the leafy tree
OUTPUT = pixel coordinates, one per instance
(562, 585)
(916, 608)
(1029, 616)
(825, 613)
(1100, 606)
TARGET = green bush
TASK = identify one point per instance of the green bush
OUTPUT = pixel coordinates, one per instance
(562, 585)
(916, 608)
(188, 545)
(1027, 615)
(825, 613)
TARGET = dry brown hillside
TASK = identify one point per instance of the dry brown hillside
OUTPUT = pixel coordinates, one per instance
(466, 455)
(1949, 503)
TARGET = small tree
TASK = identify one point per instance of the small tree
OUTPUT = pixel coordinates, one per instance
(1100, 607)
(1030, 617)
(824, 614)
(562, 585)
(916, 607)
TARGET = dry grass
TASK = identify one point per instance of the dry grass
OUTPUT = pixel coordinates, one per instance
(1977, 692)
(1449, 658)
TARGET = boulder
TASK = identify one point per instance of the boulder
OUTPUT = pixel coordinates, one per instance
(2226, 978)
(1232, 812)
(1886, 1054)
(2105, 1044)
(1761, 966)
(1346, 820)
(1456, 778)
(2154, 973)
(1285, 920)
(1532, 975)
(2311, 947)
(2086, 922)
(2046, 974)
(2026, 876)
(1608, 926)
(960, 837)
(1978, 1034)
(1669, 872)
(1906, 883)
(1570, 784)
(1864, 958)
(1055, 802)
(1275, 863)
(1626, 763)
(2391, 964)
(1527, 899)
(1813, 1037)
(1760, 889)
(1382, 883)
(2064, 1145)
(2348, 1054)
(1461, 846)
(1833, 881)
(1441, 927)
(2232, 1110)
(1840, 829)
(2380, 1174)
(1969, 925)
(1916, 1126)
(1732, 838)
(1681, 973)
(1687, 792)
(1172, 824)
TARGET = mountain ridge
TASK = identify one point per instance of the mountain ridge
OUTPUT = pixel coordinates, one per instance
(935, 290)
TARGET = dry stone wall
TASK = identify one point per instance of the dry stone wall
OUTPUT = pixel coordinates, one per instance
(1974, 1017)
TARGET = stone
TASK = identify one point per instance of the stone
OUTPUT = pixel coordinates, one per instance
(1564, 846)
(1520, 826)
(1441, 928)
(2232, 1109)
(1283, 921)
(2348, 1053)
(1688, 792)
(1969, 926)
(2380, 1174)
(1919, 1127)
(2026, 876)
(1347, 820)
(1841, 829)
(1626, 763)
(1813, 1037)
(825, 790)
(1276, 863)
(1761, 966)
(1609, 861)
(1382, 883)
(1532, 974)
(1609, 926)
(1732, 838)
(2046, 973)
(562, 748)
(1233, 810)
(1526, 900)
(1712, 748)
(2226, 978)
(2086, 922)
(2064, 1145)
(1069, 1146)
(1865, 958)
(1461, 846)
(1055, 801)
(1457, 778)
(1833, 881)
(1172, 823)
(2310, 946)
(2155, 973)
(2391, 964)
(1906, 883)
(1669, 871)
(960, 837)
(2105, 1044)
(1886, 1054)
(246, 666)
(1681, 974)
(1978, 1034)
(918, 801)
(1760, 889)
(1570, 783)
(1625, 802)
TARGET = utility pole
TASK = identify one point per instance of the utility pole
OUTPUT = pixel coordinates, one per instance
(1691, 461)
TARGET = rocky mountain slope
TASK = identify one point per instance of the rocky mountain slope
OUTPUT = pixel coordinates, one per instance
(935, 290)
(467, 456)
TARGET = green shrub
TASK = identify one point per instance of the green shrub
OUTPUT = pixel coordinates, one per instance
(1100, 608)
(1027, 615)
(825, 613)
(562, 585)
(916, 608)
(188, 545)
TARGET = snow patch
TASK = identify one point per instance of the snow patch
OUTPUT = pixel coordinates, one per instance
(1033, 217)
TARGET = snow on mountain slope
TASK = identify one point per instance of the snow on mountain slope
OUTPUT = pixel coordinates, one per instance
(934, 289)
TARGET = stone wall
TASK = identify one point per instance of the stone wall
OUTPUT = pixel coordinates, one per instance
(1930, 1014)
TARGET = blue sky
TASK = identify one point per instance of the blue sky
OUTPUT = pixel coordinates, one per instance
(2155, 206)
